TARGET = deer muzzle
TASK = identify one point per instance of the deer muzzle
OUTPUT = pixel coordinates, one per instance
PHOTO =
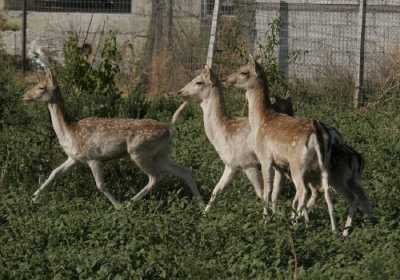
(229, 81)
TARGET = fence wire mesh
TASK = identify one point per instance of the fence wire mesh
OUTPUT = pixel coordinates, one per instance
(91, 6)
(318, 34)
(172, 36)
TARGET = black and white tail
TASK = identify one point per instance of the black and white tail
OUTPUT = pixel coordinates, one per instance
(325, 139)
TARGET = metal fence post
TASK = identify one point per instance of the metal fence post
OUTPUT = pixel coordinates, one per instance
(213, 33)
(284, 38)
(24, 27)
(358, 97)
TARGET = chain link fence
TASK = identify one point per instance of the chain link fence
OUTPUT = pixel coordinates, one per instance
(171, 37)
(318, 34)
(90, 6)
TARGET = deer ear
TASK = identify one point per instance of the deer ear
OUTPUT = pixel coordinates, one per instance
(255, 66)
(257, 55)
(258, 69)
(50, 77)
(38, 77)
(86, 49)
(279, 99)
(251, 59)
(258, 59)
(209, 74)
(206, 71)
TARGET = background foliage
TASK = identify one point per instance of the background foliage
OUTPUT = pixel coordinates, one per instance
(74, 233)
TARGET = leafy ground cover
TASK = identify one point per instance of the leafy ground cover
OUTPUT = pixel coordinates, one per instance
(74, 233)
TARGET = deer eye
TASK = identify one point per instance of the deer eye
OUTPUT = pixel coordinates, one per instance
(199, 83)
(245, 73)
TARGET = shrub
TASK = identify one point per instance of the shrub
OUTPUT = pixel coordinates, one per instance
(267, 51)
(94, 84)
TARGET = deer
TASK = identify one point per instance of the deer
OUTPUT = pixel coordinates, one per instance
(282, 142)
(94, 141)
(227, 135)
(345, 170)
(346, 164)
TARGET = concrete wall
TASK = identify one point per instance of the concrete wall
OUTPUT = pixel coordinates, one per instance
(318, 32)
(323, 32)
(50, 29)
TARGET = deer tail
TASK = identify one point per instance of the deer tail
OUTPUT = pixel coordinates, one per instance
(178, 112)
(324, 144)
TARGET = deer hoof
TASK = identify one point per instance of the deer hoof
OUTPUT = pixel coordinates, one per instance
(128, 204)
(205, 211)
(118, 206)
(267, 216)
(35, 198)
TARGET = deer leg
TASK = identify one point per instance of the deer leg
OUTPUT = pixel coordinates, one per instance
(314, 196)
(97, 172)
(226, 178)
(276, 188)
(350, 216)
(267, 173)
(152, 170)
(344, 187)
(54, 174)
(328, 199)
(363, 202)
(255, 177)
(153, 179)
(294, 203)
(301, 193)
(186, 174)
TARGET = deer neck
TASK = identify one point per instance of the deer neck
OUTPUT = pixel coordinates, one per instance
(213, 114)
(60, 126)
(259, 104)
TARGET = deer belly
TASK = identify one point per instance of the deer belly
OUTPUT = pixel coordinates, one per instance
(237, 155)
(106, 150)
(280, 159)
(281, 164)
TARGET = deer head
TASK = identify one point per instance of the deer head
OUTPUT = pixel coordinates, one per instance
(283, 105)
(248, 75)
(200, 87)
(44, 91)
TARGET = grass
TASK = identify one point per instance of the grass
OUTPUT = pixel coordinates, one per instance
(74, 233)
(10, 24)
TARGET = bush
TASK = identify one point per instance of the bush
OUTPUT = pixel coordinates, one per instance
(93, 83)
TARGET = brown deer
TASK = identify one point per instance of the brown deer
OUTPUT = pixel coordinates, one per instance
(96, 140)
(345, 170)
(345, 165)
(228, 136)
(299, 146)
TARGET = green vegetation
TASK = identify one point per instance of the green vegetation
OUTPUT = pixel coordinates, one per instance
(9, 24)
(74, 233)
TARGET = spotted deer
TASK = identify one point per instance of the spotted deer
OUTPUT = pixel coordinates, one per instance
(93, 141)
(282, 142)
(227, 135)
